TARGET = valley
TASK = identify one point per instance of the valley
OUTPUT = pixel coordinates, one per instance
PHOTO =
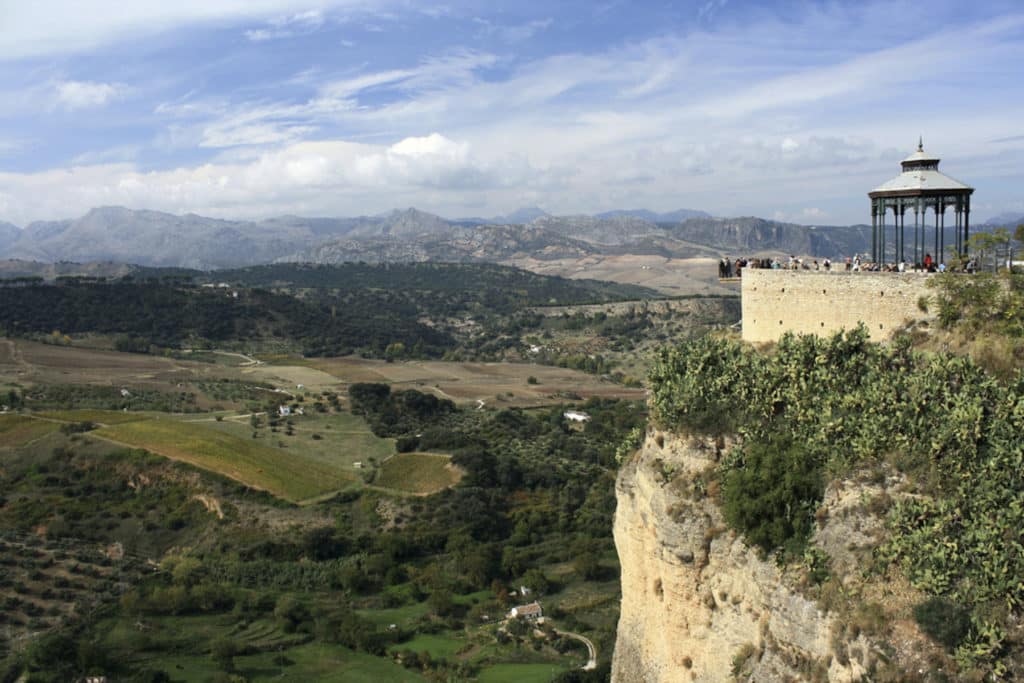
(230, 506)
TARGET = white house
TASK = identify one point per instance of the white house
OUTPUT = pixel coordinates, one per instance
(576, 416)
(532, 611)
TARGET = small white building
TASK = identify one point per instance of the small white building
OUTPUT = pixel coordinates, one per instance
(284, 411)
(576, 416)
(532, 611)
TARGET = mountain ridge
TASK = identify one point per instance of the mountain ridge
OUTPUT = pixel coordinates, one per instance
(158, 239)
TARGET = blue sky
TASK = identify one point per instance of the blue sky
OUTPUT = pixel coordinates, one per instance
(251, 108)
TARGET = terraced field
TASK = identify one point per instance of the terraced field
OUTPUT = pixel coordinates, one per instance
(289, 474)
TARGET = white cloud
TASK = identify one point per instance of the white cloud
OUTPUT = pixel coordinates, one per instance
(326, 177)
(49, 27)
(299, 24)
(735, 120)
(710, 8)
(812, 213)
(86, 94)
(514, 33)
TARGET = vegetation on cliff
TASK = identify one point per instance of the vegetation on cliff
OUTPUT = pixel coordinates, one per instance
(818, 408)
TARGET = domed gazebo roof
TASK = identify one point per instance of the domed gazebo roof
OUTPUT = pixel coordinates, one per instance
(920, 177)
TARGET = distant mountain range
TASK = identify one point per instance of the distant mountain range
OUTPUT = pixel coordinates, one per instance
(152, 238)
(1009, 219)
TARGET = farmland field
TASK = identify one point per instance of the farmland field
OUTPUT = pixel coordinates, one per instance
(495, 384)
(420, 473)
(289, 474)
(103, 417)
(672, 276)
(311, 662)
(519, 673)
(501, 384)
(437, 645)
(16, 430)
(344, 439)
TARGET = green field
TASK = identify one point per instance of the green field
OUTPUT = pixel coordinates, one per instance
(520, 673)
(420, 473)
(344, 440)
(311, 662)
(402, 616)
(436, 645)
(18, 430)
(289, 474)
(103, 417)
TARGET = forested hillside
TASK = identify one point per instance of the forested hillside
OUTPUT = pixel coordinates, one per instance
(319, 310)
(170, 315)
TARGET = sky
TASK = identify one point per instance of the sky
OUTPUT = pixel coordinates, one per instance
(791, 110)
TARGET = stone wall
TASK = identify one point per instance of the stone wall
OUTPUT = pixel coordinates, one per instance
(820, 302)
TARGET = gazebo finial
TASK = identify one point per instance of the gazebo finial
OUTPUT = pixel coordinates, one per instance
(920, 143)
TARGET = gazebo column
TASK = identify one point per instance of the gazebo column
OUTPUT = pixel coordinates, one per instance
(942, 230)
(897, 229)
(967, 224)
(916, 237)
(956, 226)
(882, 236)
(874, 229)
(935, 258)
(903, 234)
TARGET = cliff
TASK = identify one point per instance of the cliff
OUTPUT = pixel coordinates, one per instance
(699, 604)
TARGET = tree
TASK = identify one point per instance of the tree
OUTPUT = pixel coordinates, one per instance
(535, 580)
(994, 245)
(223, 651)
(587, 564)
(441, 602)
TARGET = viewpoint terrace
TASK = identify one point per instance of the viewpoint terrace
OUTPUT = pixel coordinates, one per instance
(777, 301)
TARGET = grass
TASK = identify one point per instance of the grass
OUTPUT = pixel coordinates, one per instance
(344, 440)
(311, 662)
(288, 474)
(103, 417)
(436, 645)
(402, 616)
(18, 430)
(420, 473)
(520, 673)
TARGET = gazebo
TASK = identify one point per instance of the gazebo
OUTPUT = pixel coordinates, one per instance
(918, 188)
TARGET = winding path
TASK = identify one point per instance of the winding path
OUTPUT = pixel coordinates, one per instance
(592, 662)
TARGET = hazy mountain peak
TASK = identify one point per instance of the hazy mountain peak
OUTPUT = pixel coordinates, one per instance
(522, 215)
(654, 217)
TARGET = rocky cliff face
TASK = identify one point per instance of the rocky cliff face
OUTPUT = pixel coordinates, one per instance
(697, 603)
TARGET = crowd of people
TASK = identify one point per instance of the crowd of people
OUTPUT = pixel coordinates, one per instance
(727, 268)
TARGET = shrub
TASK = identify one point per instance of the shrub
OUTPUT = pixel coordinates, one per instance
(944, 621)
(772, 494)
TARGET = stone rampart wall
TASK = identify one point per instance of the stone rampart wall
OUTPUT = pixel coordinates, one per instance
(819, 302)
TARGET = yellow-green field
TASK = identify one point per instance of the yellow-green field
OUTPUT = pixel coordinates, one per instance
(344, 440)
(18, 430)
(288, 473)
(102, 417)
(420, 473)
